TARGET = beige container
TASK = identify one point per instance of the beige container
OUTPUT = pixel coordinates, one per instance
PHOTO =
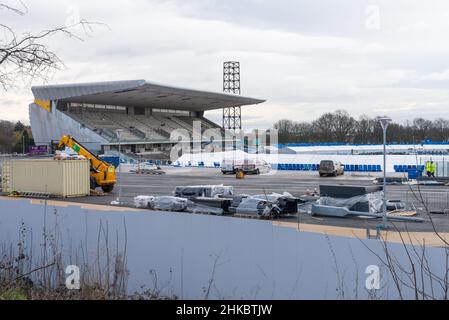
(64, 178)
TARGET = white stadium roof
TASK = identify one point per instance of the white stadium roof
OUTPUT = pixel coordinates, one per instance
(141, 93)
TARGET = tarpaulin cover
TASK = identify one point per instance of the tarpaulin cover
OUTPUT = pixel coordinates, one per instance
(254, 206)
(166, 203)
(373, 201)
(204, 191)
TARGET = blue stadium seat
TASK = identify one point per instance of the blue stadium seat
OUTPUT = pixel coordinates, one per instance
(370, 168)
(378, 168)
(352, 167)
(365, 168)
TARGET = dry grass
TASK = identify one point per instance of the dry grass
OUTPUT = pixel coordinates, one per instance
(28, 275)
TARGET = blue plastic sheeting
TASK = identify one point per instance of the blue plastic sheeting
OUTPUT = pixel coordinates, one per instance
(316, 167)
(336, 144)
(414, 173)
(110, 159)
(407, 168)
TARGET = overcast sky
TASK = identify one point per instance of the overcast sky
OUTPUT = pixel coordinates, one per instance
(304, 57)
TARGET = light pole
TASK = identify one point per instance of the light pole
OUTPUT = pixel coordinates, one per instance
(119, 135)
(384, 122)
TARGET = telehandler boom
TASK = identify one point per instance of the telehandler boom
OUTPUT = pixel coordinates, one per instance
(102, 174)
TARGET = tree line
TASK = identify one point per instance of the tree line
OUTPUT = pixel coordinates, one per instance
(341, 127)
(14, 137)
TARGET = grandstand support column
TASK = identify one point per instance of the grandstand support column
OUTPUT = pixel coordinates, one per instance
(232, 116)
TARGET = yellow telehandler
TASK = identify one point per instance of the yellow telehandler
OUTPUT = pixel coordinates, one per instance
(102, 174)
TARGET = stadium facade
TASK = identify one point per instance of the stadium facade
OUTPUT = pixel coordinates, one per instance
(146, 114)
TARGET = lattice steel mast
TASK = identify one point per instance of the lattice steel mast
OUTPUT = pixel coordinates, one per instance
(232, 116)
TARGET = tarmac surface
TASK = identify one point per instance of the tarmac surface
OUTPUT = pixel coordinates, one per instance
(434, 197)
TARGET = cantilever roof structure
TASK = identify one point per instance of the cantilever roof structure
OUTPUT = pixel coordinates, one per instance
(141, 93)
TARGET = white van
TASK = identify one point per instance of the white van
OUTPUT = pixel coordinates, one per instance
(253, 166)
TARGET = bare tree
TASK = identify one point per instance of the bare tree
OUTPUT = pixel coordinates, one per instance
(343, 126)
(364, 128)
(339, 126)
(421, 127)
(324, 126)
(26, 55)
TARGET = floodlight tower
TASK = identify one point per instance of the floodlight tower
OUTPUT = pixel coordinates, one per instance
(232, 116)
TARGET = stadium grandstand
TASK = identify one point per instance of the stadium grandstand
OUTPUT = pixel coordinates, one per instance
(142, 115)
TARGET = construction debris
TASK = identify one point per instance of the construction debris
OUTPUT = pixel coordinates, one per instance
(342, 212)
(67, 155)
(148, 169)
(257, 206)
(402, 213)
(210, 191)
(274, 204)
(344, 201)
(390, 180)
(285, 203)
(347, 191)
(202, 209)
(395, 205)
(166, 203)
(221, 203)
(371, 202)
(219, 199)
(30, 194)
(94, 192)
(335, 201)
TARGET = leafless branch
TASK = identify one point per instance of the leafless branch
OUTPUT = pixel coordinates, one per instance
(27, 55)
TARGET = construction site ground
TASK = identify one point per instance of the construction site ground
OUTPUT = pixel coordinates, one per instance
(436, 197)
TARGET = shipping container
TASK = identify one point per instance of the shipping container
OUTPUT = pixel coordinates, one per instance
(63, 178)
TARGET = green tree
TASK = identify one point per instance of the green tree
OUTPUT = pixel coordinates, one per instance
(19, 126)
(26, 141)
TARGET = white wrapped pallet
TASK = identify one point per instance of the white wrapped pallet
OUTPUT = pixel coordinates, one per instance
(64, 178)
